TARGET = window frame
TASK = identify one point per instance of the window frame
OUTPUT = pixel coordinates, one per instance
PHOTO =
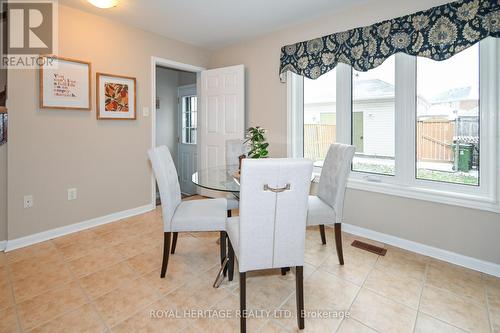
(183, 114)
(405, 183)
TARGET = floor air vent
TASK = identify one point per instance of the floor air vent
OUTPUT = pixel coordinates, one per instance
(369, 247)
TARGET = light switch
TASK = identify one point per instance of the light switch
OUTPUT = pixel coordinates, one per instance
(145, 111)
(72, 193)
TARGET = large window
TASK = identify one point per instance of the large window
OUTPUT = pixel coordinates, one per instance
(447, 123)
(372, 119)
(320, 116)
(421, 128)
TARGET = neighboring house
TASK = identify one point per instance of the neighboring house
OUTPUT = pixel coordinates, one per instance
(373, 116)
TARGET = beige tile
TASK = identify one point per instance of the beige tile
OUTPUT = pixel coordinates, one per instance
(123, 302)
(229, 306)
(272, 327)
(85, 237)
(44, 307)
(104, 281)
(315, 252)
(84, 319)
(3, 259)
(94, 261)
(267, 289)
(357, 265)
(178, 273)
(382, 314)
(495, 321)
(153, 318)
(427, 324)
(40, 250)
(353, 326)
(405, 291)
(403, 263)
(6, 298)
(75, 250)
(454, 309)
(197, 294)
(148, 261)
(32, 267)
(459, 280)
(33, 285)
(493, 292)
(8, 323)
(137, 245)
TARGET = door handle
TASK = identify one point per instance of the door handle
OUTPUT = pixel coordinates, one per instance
(277, 190)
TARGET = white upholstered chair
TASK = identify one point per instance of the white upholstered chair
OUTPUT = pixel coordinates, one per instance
(181, 216)
(327, 207)
(234, 149)
(270, 230)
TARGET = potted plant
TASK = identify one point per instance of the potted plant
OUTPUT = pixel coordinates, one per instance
(256, 139)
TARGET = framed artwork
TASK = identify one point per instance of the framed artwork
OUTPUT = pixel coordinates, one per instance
(64, 84)
(116, 97)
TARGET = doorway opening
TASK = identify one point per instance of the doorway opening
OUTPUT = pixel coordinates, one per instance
(176, 104)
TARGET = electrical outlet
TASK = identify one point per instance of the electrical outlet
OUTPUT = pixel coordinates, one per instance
(72, 193)
(28, 201)
(145, 111)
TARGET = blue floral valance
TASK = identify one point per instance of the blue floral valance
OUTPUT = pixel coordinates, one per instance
(437, 33)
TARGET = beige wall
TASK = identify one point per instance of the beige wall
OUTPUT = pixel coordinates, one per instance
(51, 151)
(3, 192)
(470, 232)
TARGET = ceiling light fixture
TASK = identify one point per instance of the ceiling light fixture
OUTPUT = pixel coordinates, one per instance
(104, 3)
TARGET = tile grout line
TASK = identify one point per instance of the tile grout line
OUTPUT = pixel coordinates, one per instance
(488, 312)
(420, 296)
(357, 295)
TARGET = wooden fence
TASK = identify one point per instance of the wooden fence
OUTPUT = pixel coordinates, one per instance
(434, 140)
(317, 140)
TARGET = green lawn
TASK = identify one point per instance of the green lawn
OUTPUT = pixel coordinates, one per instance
(440, 176)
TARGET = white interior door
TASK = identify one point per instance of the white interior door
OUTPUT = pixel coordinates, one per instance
(222, 114)
(188, 137)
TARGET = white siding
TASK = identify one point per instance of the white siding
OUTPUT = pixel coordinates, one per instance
(378, 123)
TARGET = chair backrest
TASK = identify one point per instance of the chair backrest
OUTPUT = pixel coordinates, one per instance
(168, 182)
(334, 175)
(273, 224)
(234, 148)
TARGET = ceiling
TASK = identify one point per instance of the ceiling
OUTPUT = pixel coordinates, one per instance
(214, 23)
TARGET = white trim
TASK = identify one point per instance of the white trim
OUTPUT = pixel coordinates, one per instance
(427, 250)
(3, 245)
(157, 61)
(69, 229)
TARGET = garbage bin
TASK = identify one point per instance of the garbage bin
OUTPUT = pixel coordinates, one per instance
(465, 151)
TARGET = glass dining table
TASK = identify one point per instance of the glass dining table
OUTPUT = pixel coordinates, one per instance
(221, 178)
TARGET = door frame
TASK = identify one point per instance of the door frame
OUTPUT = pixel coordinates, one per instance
(157, 61)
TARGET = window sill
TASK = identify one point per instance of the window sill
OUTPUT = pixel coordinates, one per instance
(437, 196)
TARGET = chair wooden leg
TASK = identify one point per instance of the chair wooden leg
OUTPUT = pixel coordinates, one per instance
(243, 301)
(230, 265)
(284, 270)
(299, 292)
(322, 233)
(229, 213)
(174, 242)
(338, 242)
(166, 250)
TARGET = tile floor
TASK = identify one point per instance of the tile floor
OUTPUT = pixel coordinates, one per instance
(106, 279)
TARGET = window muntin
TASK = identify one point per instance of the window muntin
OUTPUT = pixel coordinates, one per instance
(320, 116)
(448, 119)
(373, 119)
(189, 119)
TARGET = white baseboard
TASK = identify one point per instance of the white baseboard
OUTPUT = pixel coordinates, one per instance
(69, 229)
(3, 244)
(434, 252)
